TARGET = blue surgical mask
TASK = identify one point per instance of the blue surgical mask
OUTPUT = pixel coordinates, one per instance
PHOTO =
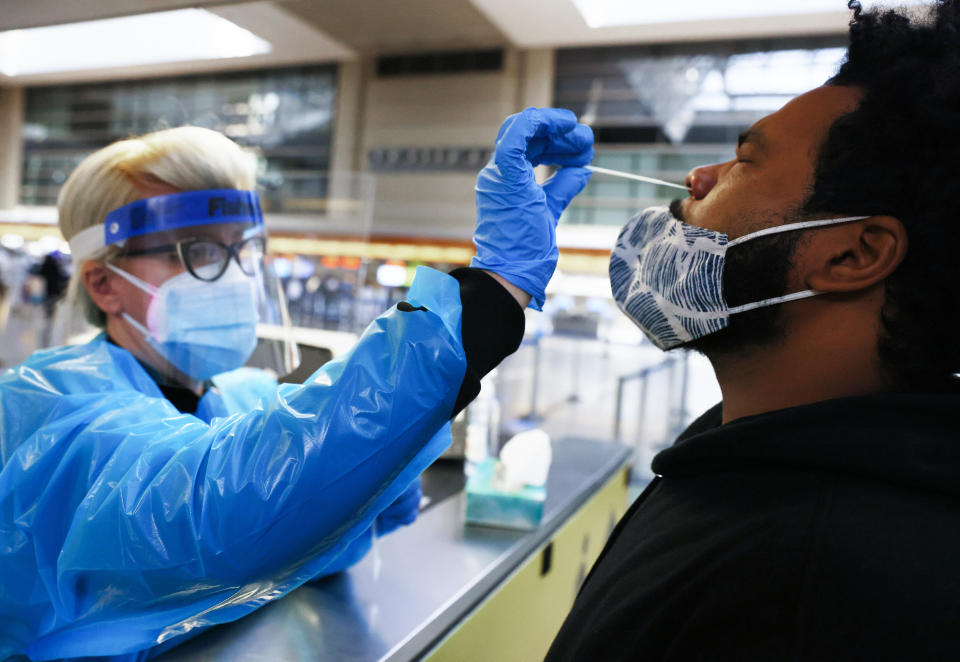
(202, 328)
(667, 276)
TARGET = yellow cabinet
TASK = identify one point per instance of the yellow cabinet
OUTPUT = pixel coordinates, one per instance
(519, 620)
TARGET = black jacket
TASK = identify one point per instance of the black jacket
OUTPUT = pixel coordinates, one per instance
(824, 532)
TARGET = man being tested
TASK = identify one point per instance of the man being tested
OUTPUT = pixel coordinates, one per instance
(150, 486)
(813, 514)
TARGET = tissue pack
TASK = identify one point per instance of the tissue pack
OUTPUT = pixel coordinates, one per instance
(493, 502)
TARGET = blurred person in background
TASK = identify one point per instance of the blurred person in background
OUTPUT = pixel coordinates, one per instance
(150, 485)
(812, 515)
(4, 308)
(55, 281)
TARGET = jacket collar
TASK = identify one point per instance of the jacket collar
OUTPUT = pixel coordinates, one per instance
(904, 438)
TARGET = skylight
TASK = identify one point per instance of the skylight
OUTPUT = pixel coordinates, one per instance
(608, 13)
(170, 36)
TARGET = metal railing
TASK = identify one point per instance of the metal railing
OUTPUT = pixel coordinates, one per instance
(677, 374)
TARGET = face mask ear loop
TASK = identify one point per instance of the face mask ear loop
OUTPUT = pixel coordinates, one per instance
(136, 325)
(133, 280)
(141, 284)
(804, 294)
(793, 226)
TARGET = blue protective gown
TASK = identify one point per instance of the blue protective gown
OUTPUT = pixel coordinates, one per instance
(125, 524)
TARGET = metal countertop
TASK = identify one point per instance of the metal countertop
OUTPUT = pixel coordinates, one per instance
(414, 586)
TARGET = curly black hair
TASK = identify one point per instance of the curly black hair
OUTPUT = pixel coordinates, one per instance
(898, 154)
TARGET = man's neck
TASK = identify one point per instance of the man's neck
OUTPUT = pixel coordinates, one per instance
(807, 365)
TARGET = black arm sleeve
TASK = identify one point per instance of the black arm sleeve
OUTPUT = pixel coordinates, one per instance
(491, 327)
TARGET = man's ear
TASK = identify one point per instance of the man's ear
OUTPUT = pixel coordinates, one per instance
(100, 285)
(854, 256)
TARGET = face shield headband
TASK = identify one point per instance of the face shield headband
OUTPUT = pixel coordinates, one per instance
(165, 213)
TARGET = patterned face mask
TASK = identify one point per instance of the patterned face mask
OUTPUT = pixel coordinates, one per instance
(667, 276)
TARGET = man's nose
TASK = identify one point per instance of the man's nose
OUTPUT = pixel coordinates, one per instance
(701, 180)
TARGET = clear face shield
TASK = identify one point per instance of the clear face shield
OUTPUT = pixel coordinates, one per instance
(212, 300)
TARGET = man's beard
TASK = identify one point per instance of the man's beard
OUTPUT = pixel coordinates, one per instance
(753, 271)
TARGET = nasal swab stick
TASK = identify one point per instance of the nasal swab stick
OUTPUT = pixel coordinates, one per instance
(639, 178)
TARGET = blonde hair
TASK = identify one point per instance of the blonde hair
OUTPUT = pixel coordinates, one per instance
(187, 158)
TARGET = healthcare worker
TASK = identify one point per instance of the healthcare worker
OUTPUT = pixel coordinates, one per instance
(151, 486)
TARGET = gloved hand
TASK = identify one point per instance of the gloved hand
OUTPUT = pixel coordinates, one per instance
(516, 217)
(402, 511)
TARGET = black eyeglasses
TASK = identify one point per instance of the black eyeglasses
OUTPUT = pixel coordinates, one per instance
(207, 259)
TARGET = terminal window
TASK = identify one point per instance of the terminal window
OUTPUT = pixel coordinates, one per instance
(286, 115)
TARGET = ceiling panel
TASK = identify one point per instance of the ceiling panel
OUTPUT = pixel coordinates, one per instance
(293, 41)
(557, 23)
(392, 26)
(34, 13)
(325, 30)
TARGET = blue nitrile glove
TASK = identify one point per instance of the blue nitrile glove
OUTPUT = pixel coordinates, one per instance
(402, 511)
(517, 217)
